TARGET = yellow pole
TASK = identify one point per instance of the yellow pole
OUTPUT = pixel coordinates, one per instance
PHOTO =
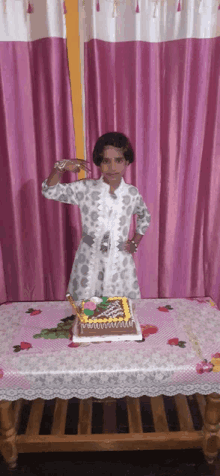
(73, 48)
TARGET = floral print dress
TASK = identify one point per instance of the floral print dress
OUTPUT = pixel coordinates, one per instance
(101, 267)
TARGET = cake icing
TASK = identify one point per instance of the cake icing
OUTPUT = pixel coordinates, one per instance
(112, 309)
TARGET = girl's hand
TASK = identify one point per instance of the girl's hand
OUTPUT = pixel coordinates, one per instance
(73, 165)
(130, 247)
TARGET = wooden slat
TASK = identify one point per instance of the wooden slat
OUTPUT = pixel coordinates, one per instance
(34, 421)
(103, 400)
(17, 412)
(109, 417)
(134, 415)
(184, 416)
(202, 404)
(113, 442)
(85, 417)
(59, 417)
(159, 414)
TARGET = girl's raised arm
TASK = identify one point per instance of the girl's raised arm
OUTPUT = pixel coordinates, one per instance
(73, 165)
(64, 192)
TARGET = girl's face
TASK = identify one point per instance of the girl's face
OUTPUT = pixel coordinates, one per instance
(113, 165)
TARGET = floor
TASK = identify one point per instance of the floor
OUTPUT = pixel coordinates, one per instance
(152, 463)
(145, 463)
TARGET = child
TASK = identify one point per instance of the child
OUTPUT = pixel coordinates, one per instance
(103, 264)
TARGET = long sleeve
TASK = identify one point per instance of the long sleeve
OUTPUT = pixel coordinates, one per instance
(143, 216)
(65, 193)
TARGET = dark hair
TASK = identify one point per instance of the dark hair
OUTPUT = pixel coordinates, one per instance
(116, 139)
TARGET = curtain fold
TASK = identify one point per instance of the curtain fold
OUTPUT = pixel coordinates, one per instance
(36, 124)
(157, 81)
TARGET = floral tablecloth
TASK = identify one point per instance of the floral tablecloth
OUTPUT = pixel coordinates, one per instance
(179, 353)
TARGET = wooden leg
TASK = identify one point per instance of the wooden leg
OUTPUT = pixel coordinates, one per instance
(211, 443)
(8, 434)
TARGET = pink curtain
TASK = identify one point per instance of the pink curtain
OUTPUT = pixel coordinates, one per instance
(165, 97)
(36, 127)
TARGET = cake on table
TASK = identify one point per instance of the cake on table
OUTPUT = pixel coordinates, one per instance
(100, 319)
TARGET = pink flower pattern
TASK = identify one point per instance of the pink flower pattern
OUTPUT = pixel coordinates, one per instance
(204, 366)
(90, 305)
(174, 341)
(177, 342)
(148, 330)
(216, 356)
(33, 312)
(25, 345)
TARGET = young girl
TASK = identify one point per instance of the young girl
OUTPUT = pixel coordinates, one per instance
(103, 264)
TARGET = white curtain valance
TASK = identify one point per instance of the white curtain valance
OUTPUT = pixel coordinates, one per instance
(24, 20)
(149, 20)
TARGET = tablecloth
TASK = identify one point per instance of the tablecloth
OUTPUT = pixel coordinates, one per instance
(180, 352)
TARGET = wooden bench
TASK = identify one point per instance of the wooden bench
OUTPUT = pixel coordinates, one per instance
(110, 438)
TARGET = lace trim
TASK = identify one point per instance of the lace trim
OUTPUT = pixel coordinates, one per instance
(95, 248)
(114, 238)
(188, 329)
(194, 341)
(136, 390)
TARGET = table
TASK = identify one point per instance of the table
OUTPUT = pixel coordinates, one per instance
(179, 356)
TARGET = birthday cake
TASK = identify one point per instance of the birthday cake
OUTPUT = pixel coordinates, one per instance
(106, 319)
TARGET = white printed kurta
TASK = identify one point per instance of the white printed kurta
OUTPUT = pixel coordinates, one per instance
(101, 267)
